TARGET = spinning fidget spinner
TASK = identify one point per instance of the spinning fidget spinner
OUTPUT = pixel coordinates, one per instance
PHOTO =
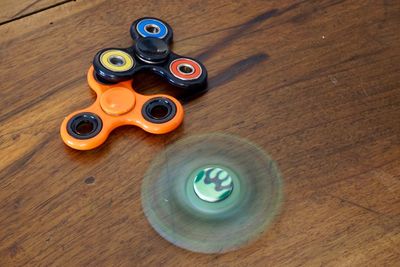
(211, 193)
(117, 102)
(150, 52)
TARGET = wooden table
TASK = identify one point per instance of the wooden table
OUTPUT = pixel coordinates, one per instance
(314, 83)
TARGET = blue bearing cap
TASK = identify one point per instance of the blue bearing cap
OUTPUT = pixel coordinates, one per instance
(151, 27)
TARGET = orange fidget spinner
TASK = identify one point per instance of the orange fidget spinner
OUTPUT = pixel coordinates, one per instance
(116, 105)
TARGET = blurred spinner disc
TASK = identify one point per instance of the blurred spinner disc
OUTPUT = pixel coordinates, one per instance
(211, 193)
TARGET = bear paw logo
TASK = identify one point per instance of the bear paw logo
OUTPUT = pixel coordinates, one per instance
(213, 184)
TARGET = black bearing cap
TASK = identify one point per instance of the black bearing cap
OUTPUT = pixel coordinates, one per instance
(152, 50)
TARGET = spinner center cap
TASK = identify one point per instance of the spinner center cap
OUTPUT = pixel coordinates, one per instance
(152, 50)
(213, 184)
(117, 101)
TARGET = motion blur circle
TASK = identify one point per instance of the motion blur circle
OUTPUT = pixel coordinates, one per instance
(211, 193)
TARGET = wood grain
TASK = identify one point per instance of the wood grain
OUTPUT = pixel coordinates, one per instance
(314, 83)
(12, 10)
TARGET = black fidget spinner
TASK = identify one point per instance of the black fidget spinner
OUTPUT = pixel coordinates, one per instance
(150, 52)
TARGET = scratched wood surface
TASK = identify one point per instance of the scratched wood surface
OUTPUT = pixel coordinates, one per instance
(314, 83)
(12, 10)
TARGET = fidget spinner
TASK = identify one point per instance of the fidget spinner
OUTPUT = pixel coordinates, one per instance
(150, 52)
(117, 103)
(211, 193)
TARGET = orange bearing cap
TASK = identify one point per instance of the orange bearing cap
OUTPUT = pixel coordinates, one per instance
(117, 101)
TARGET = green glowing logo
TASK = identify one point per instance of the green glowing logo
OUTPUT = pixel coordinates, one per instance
(213, 184)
